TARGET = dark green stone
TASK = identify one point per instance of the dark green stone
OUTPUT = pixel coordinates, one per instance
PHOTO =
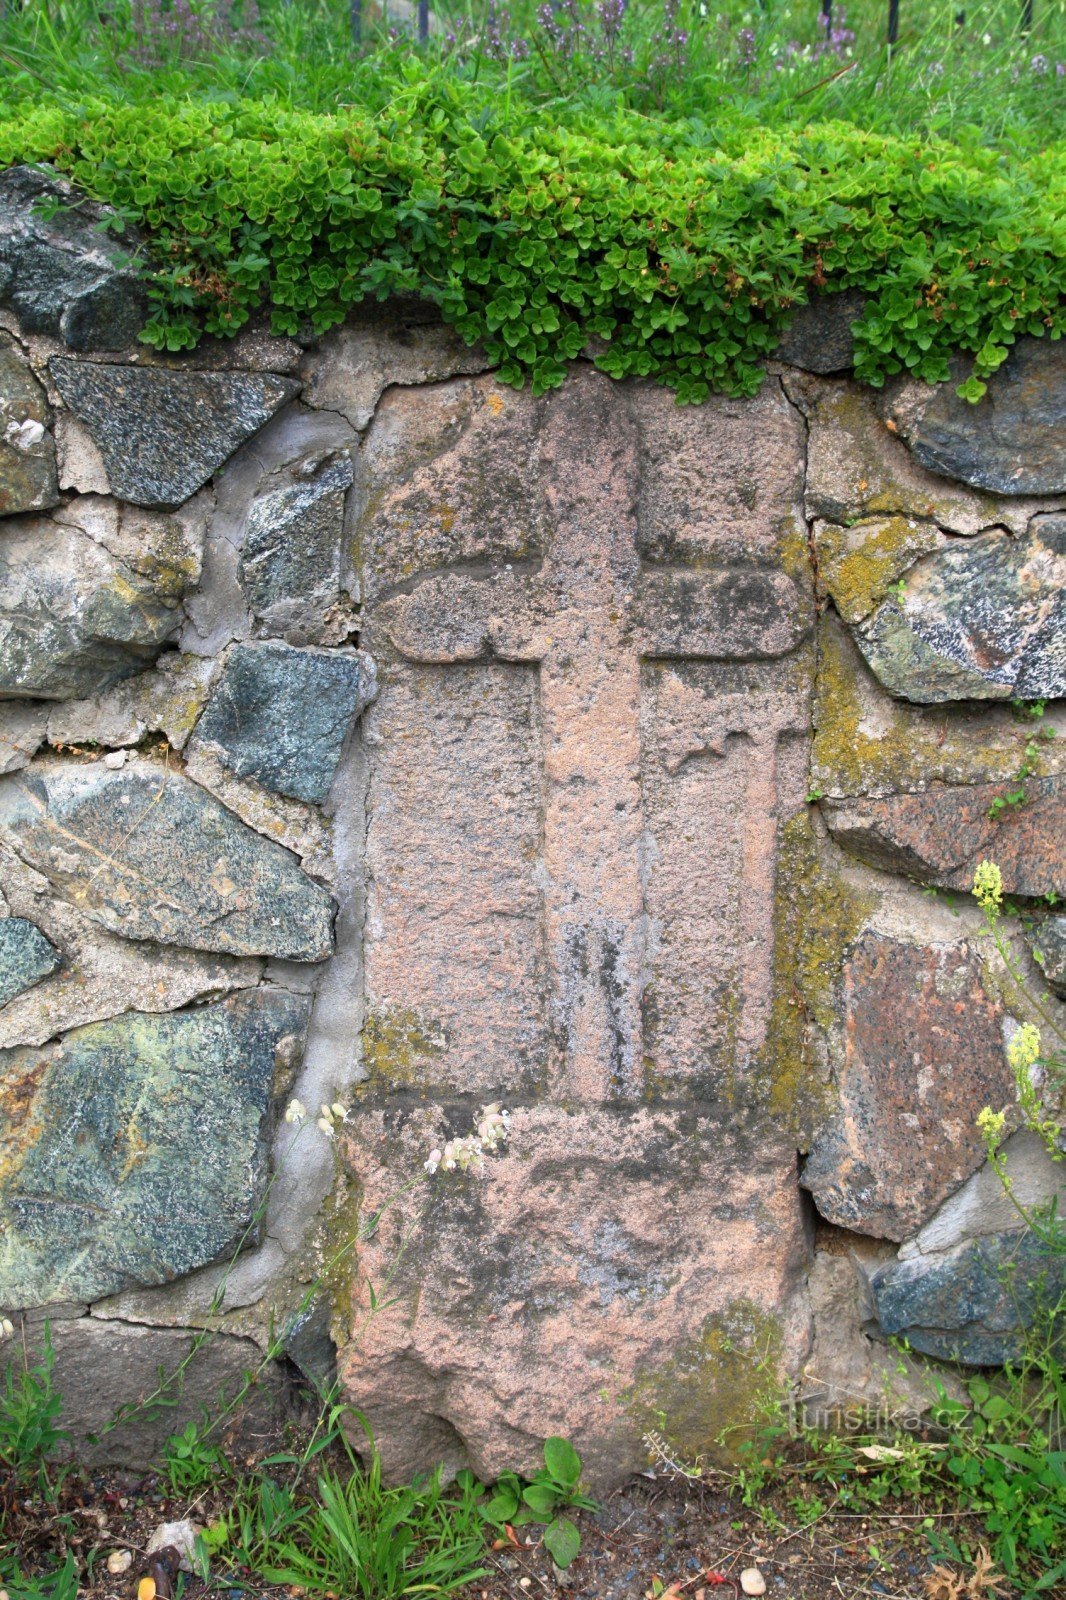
(26, 957)
(162, 433)
(150, 855)
(137, 1149)
(281, 715)
(973, 1304)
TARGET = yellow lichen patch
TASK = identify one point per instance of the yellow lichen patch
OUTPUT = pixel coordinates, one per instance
(857, 565)
(396, 1044)
(713, 1394)
(867, 743)
(817, 917)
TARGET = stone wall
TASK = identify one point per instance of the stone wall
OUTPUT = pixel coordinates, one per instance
(376, 734)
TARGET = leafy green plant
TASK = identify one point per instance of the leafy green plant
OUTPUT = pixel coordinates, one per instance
(556, 1487)
(351, 1534)
(61, 1584)
(671, 251)
(29, 1411)
(191, 1461)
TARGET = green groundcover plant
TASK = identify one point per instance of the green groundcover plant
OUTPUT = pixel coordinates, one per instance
(663, 249)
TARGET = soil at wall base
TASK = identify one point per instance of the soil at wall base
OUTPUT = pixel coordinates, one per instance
(657, 1537)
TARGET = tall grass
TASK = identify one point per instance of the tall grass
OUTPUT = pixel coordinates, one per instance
(976, 74)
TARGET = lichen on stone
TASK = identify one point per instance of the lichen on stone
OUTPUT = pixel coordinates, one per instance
(709, 1397)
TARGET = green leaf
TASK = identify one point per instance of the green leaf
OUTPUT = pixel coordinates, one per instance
(562, 1541)
(541, 1498)
(562, 1461)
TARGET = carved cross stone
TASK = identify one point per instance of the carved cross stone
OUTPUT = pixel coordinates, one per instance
(590, 613)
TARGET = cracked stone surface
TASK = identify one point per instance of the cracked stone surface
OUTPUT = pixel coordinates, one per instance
(971, 1304)
(150, 855)
(922, 1056)
(163, 432)
(819, 337)
(26, 956)
(1013, 440)
(290, 563)
(73, 619)
(940, 836)
(282, 715)
(984, 620)
(27, 449)
(557, 591)
(136, 1149)
(1049, 947)
(65, 275)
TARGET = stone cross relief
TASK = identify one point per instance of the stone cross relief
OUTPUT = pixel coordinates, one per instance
(599, 624)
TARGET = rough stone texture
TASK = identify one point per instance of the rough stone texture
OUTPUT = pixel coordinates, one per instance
(27, 449)
(971, 1304)
(162, 433)
(290, 565)
(557, 589)
(858, 466)
(73, 619)
(352, 371)
(609, 1267)
(867, 742)
(921, 1057)
(26, 956)
(984, 620)
(983, 1206)
(1013, 440)
(281, 715)
(101, 1367)
(135, 1149)
(1049, 948)
(819, 337)
(23, 725)
(940, 836)
(65, 275)
(859, 565)
(149, 855)
(102, 975)
(166, 700)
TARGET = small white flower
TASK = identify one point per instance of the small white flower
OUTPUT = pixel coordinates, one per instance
(295, 1111)
(340, 1113)
(7, 1327)
(326, 1125)
(433, 1161)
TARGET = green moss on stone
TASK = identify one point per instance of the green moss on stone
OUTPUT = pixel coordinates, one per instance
(817, 916)
(711, 1394)
(396, 1044)
(857, 565)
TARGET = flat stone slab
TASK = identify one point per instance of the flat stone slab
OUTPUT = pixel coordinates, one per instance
(980, 620)
(103, 1366)
(922, 1056)
(290, 564)
(27, 449)
(26, 956)
(608, 1268)
(282, 715)
(1014, 439)
(152, 856)
(74, 618)
(162, 432)
(64, 274)
(972, 1304)
(939, 837)
(137, 1149)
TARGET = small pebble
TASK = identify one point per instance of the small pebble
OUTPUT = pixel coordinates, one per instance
(119, 1561)
(752, 1581)
(115, 759)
